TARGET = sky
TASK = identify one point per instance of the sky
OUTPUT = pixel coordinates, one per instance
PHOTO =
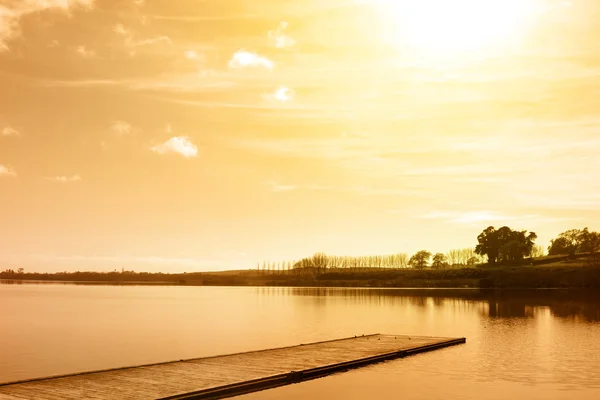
(191, 135)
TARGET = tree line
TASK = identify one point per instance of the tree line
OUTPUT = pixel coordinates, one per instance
(502, 246)
(575, 241)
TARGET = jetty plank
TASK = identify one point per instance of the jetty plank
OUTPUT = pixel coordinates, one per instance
(225, 376)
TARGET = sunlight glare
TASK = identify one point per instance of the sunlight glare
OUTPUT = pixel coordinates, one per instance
(449, 26)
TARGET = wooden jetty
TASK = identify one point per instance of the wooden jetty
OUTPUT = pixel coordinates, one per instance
(225, 376)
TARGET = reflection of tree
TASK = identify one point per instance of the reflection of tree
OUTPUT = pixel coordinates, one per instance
(509, 309)
(580, 305)
(11, 282)
(587, 312)
(419, 301)
(583, 305)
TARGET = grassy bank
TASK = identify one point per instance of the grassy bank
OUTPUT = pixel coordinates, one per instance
(576, 274)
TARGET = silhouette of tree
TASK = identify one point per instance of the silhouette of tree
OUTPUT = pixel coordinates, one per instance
(567, 242)
(420, 259)
(439, 261)
(575, 241)
(320, 261)
(488, 244)
(467, 256)
(505, 245)
(590, 241)
(473, 260)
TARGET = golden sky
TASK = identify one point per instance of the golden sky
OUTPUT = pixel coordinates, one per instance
(209, 134)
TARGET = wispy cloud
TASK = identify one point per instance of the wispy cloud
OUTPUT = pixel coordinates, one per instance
(468, 217)
(282, 94)
(8, 26)
(120, 29)
(6, 170)
(85, 52)
(148, 41)
(485, 216)
(279, 39)
(177, 145)
(10, 131)
(197, 82)
(131, 42)
(87, 83)
(11, 13)
(125, 260)
(121, 128)
(276, 187)
(366, 190)
(334, 147)
(192, 55)
(65, 179)
(201, 18)
(246, 59)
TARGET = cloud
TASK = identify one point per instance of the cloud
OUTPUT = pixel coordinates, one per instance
(6, 170)
(201, 81)
(475, 217)
(468, 217)
(9, 131)
(276, 187)
(279, 39)
(124, 260)
(145, 42)
(12, 12)
(245, 59)
(348, 148)
(178, 145)
(119, 29)
(281, 94)
(65, 179)
(132, 43)
(191, 54)
(85, 52)
(8, 26)
(363, 190)
(121, 128)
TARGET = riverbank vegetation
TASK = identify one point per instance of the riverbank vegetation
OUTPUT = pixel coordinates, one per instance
(581, 272)
(503, 258)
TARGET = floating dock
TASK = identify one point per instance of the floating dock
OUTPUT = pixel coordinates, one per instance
(225, 376)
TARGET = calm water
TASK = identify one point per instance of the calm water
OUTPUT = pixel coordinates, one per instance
(529, 345)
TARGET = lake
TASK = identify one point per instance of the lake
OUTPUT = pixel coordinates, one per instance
(520, 344)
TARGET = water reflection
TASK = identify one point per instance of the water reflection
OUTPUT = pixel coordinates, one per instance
(548, 337)
(567, 304)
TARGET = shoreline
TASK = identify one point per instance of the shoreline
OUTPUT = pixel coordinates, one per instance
(562, 276)
(330, 286)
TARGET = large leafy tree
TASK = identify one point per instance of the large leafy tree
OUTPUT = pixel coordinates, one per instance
(590, 241)
(505, 245)
(567, 242)
(420, 259)
(488, 244)
(439, 261)
(575, 241)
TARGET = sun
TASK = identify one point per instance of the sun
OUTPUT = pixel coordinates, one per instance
(439, 27)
